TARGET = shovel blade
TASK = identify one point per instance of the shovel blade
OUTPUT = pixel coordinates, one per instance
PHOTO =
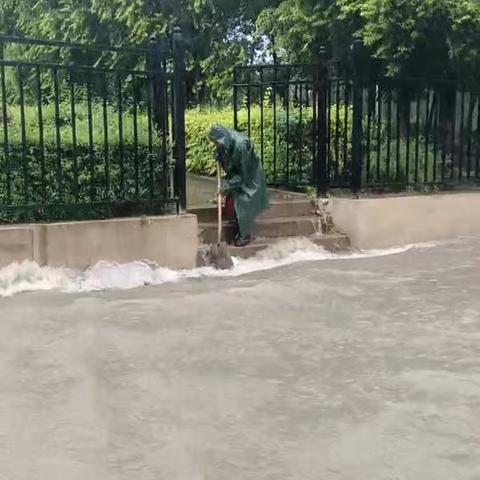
(220, 258)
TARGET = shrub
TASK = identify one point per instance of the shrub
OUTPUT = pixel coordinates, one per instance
(287, 150)
(80, 171)
(385, 160)
(200, 153)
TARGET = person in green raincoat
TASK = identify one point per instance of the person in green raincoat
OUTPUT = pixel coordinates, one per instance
(244, 181)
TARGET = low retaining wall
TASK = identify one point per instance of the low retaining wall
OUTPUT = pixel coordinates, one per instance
(393, 221)
(170, 241)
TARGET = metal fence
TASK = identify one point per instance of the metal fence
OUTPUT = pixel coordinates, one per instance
(276, 105)
(417, 134)
(91, 131)
(330, 126)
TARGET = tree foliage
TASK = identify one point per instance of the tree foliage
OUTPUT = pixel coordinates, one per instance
(218, 32)
(439, 38)
(420, 38)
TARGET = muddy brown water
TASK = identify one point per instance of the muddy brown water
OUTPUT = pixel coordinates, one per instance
(355, 369)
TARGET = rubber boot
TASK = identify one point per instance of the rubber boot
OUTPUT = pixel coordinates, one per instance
(243, 241)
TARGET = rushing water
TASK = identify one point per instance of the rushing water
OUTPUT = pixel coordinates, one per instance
(29, 276)
(357, 367)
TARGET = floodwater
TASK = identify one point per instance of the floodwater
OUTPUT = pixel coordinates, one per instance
(357, 368)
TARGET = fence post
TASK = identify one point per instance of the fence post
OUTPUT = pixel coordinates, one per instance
(156, 57)
(4, 121)
(235, 98)
(180, 176)
(320, 159)
(357, 133)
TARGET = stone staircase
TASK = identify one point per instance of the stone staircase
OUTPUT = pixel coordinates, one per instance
(290, 215)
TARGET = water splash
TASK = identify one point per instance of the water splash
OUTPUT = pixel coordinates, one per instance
(29, 276)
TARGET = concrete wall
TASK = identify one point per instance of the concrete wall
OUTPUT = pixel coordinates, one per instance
(171, 241)
(393, 221)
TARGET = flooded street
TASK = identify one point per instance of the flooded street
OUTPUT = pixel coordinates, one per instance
(341, 369)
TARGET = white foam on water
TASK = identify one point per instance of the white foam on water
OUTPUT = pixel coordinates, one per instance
(29, 276)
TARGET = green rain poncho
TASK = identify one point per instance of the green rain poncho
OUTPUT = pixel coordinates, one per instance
(245, 179)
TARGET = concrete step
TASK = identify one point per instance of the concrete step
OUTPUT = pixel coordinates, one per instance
(289, 208)
(201, 191)
(332, 242)
(278, 194)
(265, 228)
(278, 209)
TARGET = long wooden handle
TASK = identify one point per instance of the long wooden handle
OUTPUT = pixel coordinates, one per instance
(219, 203)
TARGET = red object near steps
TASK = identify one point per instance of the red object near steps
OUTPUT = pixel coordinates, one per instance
(229, 209)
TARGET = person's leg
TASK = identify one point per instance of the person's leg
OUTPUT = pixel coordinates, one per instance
(241, 240)
(230, 214)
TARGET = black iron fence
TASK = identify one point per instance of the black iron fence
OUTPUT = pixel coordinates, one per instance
(416, 134)
(276, 105)
(324, 126)
(91, 131)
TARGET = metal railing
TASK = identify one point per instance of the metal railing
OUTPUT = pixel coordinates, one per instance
(417, 134)
(90, 131)
(277, 106)
(324, 126)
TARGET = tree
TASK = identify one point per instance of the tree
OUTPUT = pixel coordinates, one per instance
(218, 32)
(421, 38)
(430, 38)
(436, 40)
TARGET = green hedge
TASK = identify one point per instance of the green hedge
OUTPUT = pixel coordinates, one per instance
(125, 157)
(296, 137)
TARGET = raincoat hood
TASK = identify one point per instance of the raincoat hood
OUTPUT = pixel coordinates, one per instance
(222, 136)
